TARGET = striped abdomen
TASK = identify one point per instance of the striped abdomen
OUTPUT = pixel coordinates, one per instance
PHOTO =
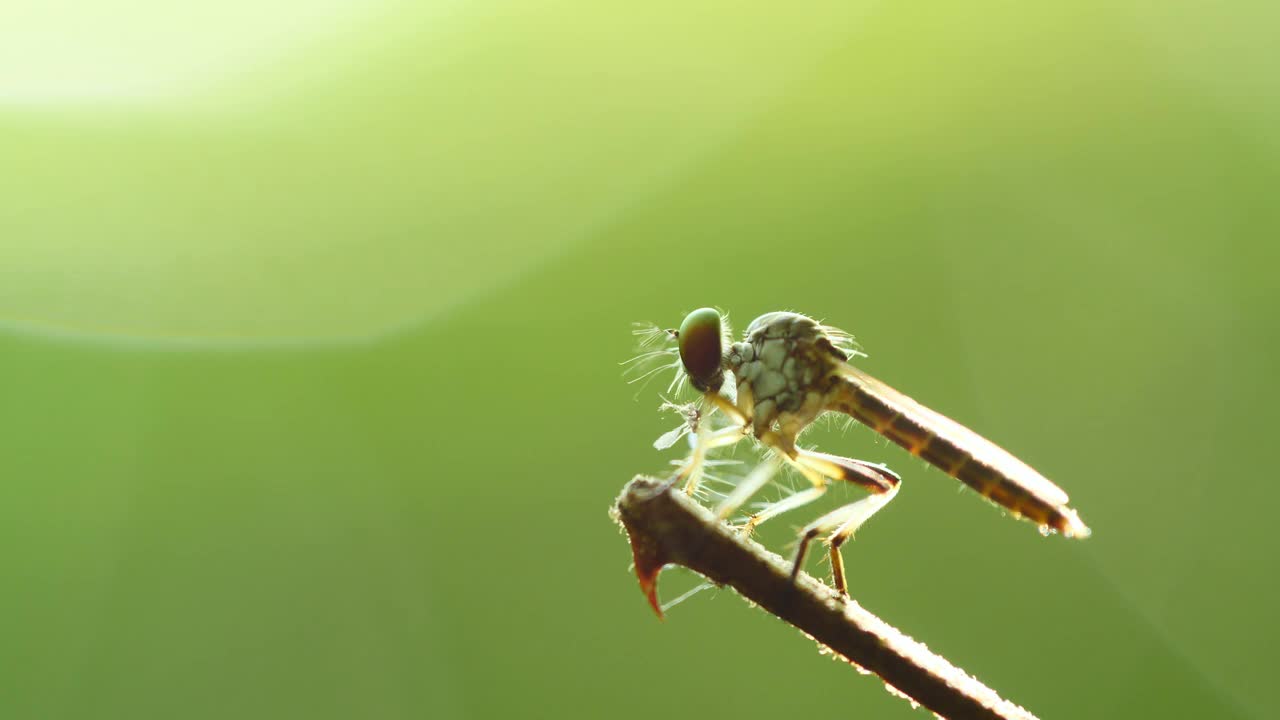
(954, 449)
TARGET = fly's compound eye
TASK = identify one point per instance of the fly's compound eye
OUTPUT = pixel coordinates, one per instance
(700, 349)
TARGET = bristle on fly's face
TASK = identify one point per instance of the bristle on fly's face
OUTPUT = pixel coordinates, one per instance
(649, 334)
(658, 353)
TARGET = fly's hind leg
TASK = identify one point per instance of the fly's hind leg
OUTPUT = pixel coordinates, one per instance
(750, 485)
(841, 523)
(816, 467)
(784, 451)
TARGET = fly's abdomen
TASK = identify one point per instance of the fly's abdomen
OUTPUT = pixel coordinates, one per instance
(957, 451)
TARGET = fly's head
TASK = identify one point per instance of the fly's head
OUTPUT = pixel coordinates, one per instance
(695, 351)
(702, 338)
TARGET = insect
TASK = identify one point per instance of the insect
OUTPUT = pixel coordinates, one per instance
(788, 370)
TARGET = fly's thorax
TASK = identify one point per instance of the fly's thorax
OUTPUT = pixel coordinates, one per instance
(785, 366)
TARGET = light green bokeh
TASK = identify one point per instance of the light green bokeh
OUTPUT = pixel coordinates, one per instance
(309, 395)
(375, 182)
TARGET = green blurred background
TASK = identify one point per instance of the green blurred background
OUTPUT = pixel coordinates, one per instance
(311, 315)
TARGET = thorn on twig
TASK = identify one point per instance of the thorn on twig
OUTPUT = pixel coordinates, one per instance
(667, 527)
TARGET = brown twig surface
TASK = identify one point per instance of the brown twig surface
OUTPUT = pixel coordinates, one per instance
(667, 527)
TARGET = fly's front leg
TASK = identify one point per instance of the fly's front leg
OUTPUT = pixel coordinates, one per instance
(841, 523)
(705, 440)
(735, 413)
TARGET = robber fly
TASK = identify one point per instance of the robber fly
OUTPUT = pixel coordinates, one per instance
(788, 370)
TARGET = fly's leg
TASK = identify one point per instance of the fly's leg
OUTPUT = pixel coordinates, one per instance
(726, 406)
(785, 451)
(750, 485)
(841, 523)
(816, 467)
(803, 497)
(705, 440)
(868, 507)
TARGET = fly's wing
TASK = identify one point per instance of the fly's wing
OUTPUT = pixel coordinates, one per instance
(956, 450)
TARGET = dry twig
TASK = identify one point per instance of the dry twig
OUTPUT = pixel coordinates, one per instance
(667, 527)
